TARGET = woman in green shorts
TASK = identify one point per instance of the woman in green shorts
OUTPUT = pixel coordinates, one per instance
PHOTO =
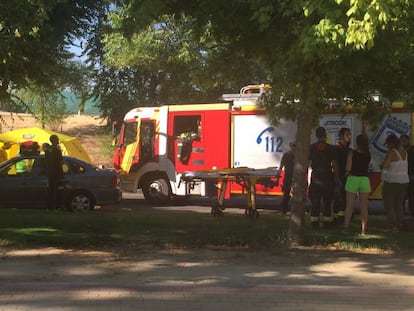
(358, 182)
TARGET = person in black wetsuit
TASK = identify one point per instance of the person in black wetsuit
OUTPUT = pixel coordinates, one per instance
(323, 161)
(405, 142)
(342, 148)
(287, 163)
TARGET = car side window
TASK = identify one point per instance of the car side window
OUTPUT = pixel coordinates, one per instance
(77, 168)
(19, 168)
(9, 170)
(22, 167)
(39, 167)
(65, 167)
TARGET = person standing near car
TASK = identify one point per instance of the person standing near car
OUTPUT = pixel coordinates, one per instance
(54, 162)
(322, 158)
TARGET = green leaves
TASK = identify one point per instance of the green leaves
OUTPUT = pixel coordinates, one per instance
(360, 34)
(330, 33)
(263, 15)
(46, 105)
(34, 36)
(164, 42)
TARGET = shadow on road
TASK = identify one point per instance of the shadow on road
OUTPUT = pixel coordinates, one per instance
(237, 204)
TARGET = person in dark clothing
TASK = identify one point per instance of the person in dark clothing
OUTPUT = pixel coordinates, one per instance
(54, 162)
(287, 163)
(405, 142)
(342, 148)
(323, 162)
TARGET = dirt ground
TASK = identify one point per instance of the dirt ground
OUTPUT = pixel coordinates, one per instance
(89, 129)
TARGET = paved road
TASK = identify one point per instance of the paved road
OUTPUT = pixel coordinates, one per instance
(267, 204)
(53, 279)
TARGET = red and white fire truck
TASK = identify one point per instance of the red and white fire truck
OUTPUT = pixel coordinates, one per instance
(156, 145)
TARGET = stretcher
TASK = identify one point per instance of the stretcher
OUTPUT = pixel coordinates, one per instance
(246, 177)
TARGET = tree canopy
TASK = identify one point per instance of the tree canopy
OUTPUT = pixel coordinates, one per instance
(34, 37)
(174, 60)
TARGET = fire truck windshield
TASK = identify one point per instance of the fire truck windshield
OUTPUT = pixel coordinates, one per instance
(147, 140)
(130, 133)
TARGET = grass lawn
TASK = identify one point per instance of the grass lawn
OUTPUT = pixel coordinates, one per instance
(160, 229)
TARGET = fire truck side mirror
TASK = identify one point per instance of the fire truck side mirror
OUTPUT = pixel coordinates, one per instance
(114, 129)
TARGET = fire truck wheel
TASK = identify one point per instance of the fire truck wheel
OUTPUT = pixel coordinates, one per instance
(156, 190)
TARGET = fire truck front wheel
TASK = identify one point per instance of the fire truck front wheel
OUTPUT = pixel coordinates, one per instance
(156, 190)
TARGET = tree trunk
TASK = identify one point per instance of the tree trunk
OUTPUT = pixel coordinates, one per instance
(297, 223)
(82, 103)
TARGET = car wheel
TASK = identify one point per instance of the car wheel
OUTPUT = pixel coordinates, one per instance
(156, 190)
(80, 202)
